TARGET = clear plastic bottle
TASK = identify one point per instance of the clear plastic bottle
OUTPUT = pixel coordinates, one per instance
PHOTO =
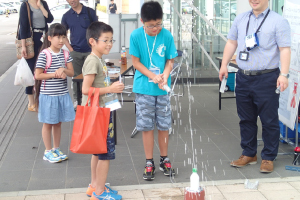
(168, 89)
(123, 57)
(194, 181)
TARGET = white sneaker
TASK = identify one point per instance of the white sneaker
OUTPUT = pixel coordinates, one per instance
(75, 104)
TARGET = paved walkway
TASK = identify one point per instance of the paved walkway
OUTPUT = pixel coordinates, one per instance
(215, 144)
(268, 189)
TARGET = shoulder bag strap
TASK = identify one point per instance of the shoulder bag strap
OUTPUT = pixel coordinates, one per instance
(29, 18)
(88, 10)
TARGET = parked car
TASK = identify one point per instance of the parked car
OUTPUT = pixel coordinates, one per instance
(2, 10)
(8, 7)
(59, 10)
(16, 5)
(186, 8)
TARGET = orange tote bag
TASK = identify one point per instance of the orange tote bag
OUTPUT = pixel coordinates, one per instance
(90, 127)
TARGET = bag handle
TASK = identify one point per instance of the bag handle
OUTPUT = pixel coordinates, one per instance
(29, 17)
(93, 97)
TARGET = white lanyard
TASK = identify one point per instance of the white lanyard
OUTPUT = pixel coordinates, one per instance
(102, 65)
(106, 76)
(57, 57)
(150, 55)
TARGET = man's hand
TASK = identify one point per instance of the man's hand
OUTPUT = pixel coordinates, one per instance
(223, 72)
(158, 78)
(283, 82)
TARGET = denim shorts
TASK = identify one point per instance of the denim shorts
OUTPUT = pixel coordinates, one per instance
(55, 109)
(152, 110)
(110, 155)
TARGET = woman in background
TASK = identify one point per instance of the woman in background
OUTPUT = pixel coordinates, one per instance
(40, 15)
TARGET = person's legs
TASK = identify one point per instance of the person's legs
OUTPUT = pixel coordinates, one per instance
(46, 134)
(94, 162)
(163, 124)
(56, 132)
(163, 141)
(145, 116)
(148, 141)
(247, 111)
(268, 103)
(78, 60)
(101, 175)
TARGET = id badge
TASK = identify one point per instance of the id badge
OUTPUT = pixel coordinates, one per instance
(112, 101)
(154, 70)
(251, 41)
(244, 55)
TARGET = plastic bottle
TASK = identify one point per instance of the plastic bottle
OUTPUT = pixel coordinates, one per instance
(194, 181)
(168, 89)
(123, 57)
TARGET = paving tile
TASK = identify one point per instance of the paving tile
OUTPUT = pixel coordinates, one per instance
(40, 174)
(79, 160)
(17, 165)
(274, 186)
(78, 182)
(78, 196)
(21, 153)
(8, 186)
(166, 192)
(13, 198)
(211, 190)
(11, 176)
(165, 198)
(214, 197)
(46, 184)
(79, 172)
(236, 188)
(245, 196)
(132, 194)
(295, 184)
(43, 164)
(282, 194)
(46, 197)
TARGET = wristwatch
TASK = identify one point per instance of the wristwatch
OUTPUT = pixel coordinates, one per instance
(285, 75)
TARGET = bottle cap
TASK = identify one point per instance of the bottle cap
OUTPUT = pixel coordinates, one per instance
(195, 170)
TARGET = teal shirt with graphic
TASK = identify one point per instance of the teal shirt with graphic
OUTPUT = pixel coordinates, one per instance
(164, 50)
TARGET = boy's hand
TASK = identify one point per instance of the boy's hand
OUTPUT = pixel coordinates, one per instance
(117, 87)
(158, 78)
(164, 81)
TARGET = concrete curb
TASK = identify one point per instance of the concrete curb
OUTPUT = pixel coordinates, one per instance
(145, 187)
(9, 70)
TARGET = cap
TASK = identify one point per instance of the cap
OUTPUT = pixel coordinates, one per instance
(195, 170)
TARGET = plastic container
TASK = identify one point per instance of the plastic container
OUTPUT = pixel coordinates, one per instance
(194, 181)
(123, 57)
(169, 90)
(291, 134)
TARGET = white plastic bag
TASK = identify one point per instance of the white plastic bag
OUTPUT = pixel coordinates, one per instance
(24, 75)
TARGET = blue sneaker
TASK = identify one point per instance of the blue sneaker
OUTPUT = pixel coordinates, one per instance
(51, 156)
(60, 154)
(106, 195)
(111, 190)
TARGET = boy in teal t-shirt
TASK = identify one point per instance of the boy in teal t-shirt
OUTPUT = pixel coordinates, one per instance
(153, 51)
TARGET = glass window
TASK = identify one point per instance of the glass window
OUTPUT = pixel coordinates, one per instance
(277, 6)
